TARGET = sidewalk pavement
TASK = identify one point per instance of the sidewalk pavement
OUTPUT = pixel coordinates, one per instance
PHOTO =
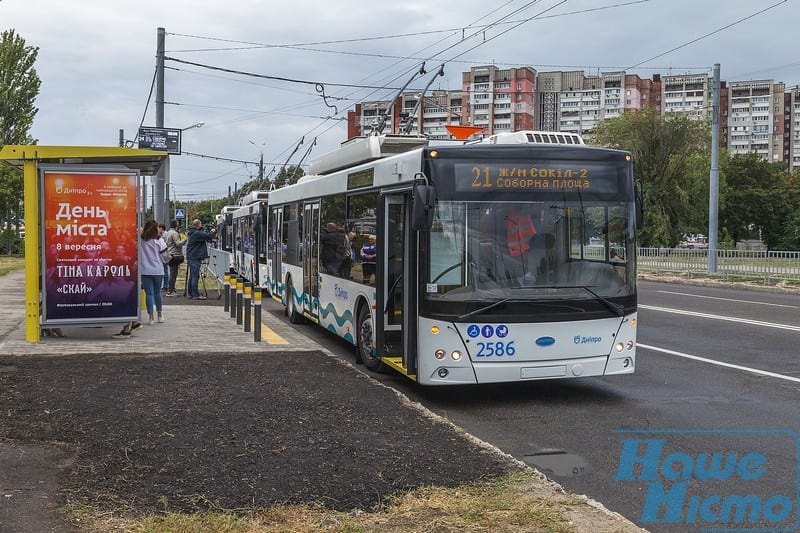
(188, 326)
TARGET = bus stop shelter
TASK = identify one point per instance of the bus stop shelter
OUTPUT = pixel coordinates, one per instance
(29, 159)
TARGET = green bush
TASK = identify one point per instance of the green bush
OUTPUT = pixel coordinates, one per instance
(11, 243)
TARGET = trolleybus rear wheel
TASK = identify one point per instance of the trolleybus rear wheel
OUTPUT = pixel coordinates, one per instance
(365, 348)
(291, 308)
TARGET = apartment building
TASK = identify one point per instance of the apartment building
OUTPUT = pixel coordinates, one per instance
(792, 128)
(688, 94)
(498, 100)
(433, 113)
(756, 121)
(758, 116)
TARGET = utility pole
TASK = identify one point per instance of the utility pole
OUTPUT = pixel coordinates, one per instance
(713, 189)
(161, 179)
(260, 171)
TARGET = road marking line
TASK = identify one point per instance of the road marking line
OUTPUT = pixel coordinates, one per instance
(728, 299)
(721, 363)
(268, 335)
(720, 317)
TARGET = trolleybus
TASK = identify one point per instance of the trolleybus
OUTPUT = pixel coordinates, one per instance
(249, 245)
(496, 262)
(220, 257)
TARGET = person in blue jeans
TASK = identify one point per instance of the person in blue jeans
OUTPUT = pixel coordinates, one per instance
(151, 269)
(196, 252)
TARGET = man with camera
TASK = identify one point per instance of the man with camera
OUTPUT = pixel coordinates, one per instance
(196, 252)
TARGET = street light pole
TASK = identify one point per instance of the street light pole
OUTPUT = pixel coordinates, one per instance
(167, 213)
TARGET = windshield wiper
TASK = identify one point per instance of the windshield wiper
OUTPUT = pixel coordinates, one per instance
(612, 306)
(484, 308)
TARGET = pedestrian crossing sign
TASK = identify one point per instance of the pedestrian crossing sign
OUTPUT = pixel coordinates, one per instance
(180, 213)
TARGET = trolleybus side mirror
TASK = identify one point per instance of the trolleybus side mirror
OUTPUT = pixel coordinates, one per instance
(228, 219)
(423, 204)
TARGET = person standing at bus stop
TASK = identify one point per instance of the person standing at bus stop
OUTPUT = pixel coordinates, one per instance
(175, 247)
(151, 268)
(196, 252)
(161, 230)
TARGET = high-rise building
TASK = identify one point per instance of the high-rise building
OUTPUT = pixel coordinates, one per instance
(436, 111)
(756, 118)
(498, 100)
(792, 131)
(688, 94)
(550, 86)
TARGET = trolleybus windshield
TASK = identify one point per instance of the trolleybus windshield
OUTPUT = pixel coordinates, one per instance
(548, 252)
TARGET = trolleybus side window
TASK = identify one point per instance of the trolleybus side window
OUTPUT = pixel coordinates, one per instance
(334, 252)
(361, 210)
(291, 234)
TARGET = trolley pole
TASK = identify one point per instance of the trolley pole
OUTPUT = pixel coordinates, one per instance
(232, 296)
(239, 301)
(226, 286)
(257, 316)
(247, 300)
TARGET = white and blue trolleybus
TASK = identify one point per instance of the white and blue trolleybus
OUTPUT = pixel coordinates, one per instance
(505, 260)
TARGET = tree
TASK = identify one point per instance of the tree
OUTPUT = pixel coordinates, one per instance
(665, 161)
(756, 200)
(19, 87)
(288, 176)
(791, 228)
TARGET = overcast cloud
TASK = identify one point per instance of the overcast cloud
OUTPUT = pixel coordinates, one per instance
(97, 59)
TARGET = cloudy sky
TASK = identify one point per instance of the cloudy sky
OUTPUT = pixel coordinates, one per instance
(97, 61)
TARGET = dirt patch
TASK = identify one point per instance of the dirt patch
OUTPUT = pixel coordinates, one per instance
(194, 432)
(29, 483)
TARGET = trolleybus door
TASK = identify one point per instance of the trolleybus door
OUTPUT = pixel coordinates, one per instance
(310, 259)
(275, 244)
(395, 275)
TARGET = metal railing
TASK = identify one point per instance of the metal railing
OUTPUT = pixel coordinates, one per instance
(769, 266)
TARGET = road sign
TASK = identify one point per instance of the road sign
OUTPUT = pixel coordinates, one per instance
(163, 139)
(180, 213)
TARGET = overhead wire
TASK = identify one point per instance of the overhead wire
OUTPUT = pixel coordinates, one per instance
(500, 22)
(709, 34)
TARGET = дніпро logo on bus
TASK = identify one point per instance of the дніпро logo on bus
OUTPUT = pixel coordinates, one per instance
(720, 480)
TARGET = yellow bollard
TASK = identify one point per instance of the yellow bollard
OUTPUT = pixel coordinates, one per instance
(247, 309)
(226, 292)
(239, 301)
(257, 316)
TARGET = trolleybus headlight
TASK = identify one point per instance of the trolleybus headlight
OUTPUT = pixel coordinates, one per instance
(456, 355)
(439, 354)
(619, 346)
(629, 346)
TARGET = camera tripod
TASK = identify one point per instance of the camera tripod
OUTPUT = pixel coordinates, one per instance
(205, 272)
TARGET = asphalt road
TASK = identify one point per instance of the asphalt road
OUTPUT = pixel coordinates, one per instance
(702, 435)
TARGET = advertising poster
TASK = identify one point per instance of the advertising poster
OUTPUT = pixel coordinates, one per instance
(89, 246)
